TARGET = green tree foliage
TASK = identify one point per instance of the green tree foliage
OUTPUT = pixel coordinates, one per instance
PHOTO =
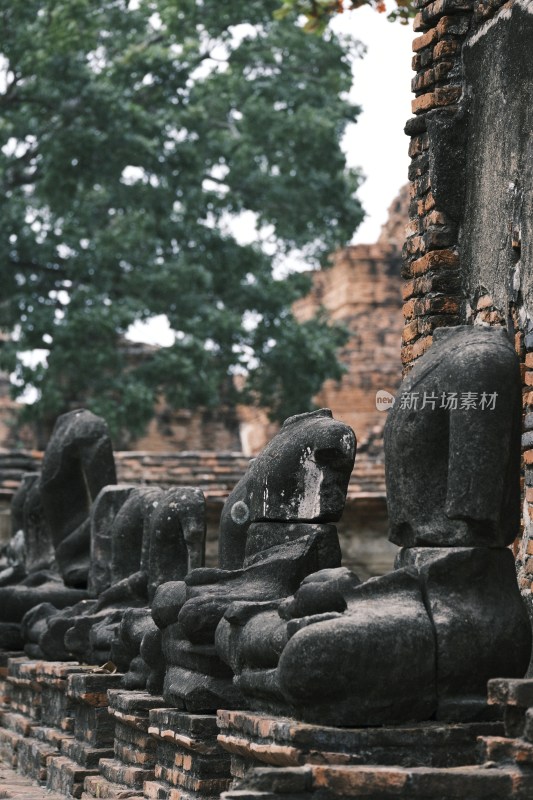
(319, 13)
(132, 136)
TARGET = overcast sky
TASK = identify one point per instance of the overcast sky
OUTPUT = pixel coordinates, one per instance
(382, 86)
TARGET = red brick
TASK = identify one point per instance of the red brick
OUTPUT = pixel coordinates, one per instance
(418, 145)
(410, 332)
(436, 259)
(457, 25)
(426, 325)
(408, 289)
(528, 379)
(440, 97)
(442, 70)
(436, 218)
(359, 782)
(528, 459)
(436, 305)
(425, 40)
(414, 246)
(412, 228)
(529, 360)
(423, 80)
(426, 205)
(490, 317)
(420, 347)
(418, 23)
(519, 343)
(437, 237)
(409, 309)
(423, 103)
(447, 47)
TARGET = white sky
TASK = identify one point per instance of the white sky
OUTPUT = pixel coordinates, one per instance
(382, 86)
(376, 143)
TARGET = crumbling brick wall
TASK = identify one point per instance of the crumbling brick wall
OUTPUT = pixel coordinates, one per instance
(469, 246)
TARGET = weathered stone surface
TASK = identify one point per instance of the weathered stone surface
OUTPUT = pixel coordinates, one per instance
(11, 636)
(479, 634)
(313, 456)
(508, 691)
(41, 587)
(177, 536)
(282, 741)
(31, 576)
(376, 678)
(88, 631)
(443, 486)
(30, 548)
(38, 546)
(91, 688)
(173, 539)
(498, 198)
(128, 541)
(51, 636)
(423, 640)
(103, 512)
(34, 624)
(273, 531)
(77, 464)
(380, 782)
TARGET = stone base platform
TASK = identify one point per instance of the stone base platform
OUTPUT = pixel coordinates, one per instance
(132, 762)
(431, 761)
(93, 738)
(255, 740)
(321, 782)
(17, 787)
(189, 763)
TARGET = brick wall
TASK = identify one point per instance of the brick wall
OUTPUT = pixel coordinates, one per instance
(469, 245)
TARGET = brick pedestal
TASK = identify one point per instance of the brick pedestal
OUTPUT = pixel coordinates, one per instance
(93, 733)
(55, 726)
(124, 772)
(257, 740)
(275, 757)
(189, 762)
(22, 706)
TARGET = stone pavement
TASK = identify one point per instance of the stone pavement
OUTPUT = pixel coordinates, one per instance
(17, 787)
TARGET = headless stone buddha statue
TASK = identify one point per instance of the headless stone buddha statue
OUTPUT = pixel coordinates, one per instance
(78, 463)
(275, 529)
(421, 642)
(55, 512)
(89, 633)
(176, 545)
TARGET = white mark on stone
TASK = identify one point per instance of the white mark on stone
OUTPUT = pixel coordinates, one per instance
(347, 442)
(309, 502)
(525, 5)
(504, 13)
(240, 512)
